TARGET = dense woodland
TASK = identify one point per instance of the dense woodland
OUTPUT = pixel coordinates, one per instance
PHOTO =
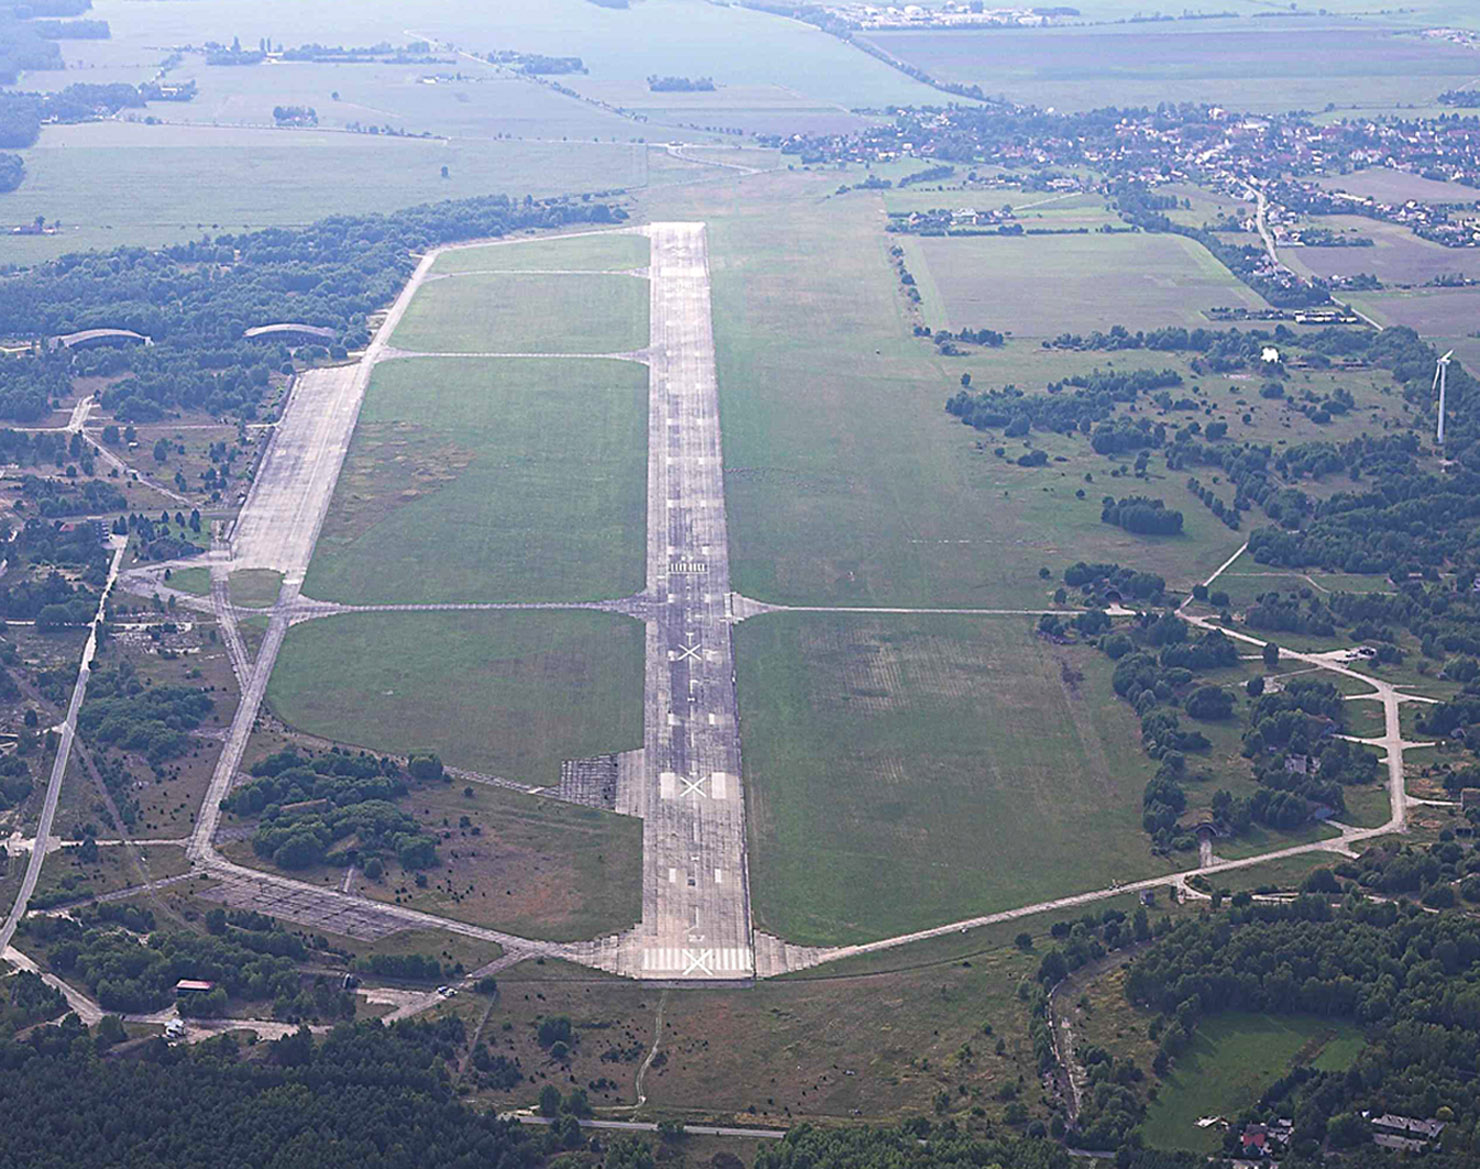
(365, 1096)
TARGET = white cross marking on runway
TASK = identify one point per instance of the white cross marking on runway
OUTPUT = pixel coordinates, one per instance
(698, 961)
(690, 651)
(691, 786)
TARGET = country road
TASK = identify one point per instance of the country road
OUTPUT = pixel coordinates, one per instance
(703, 1130)
(68, 732)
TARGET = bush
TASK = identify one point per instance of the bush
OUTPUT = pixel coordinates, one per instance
(425, 766)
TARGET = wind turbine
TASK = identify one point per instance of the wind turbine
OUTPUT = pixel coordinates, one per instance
(1441, 383)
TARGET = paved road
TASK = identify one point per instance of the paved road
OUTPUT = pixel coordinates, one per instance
(1261, 221)
(64, 753)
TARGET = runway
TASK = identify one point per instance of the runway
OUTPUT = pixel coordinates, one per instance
(696, 893)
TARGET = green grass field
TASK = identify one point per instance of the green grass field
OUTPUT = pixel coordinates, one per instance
(491, 481)
(1232, 1060)
(191, 580)
(1041, 286)
(605, 251)
(509, 694)
(904, 772)
(527, 313)
(846, 481)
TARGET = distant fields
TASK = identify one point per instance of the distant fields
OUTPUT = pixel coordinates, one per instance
(467, 480)
(1269, 66)
(112, 183)
(1396, 186)
(741, 49)
(508, 694)
(602, 251)
(1397, 256)
(222, 165)
(527, 313)
(905, 772)
(1042, 286)
(1232, 1061)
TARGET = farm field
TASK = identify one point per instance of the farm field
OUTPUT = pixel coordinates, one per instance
(1234, 63)
(846, 480)
(737, 47)
(508, 694)
(1232, 1060)
(480, 102)
(1396, 257)
(1434, 312)
(596, 252)
(113, 183)
(910, 771)
(491, 481)
(1387, 185)
(522, 312)
(1042, 286)
(753, 109)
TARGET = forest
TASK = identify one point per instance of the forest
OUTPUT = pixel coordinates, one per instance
(364, 1096)
(121, 711)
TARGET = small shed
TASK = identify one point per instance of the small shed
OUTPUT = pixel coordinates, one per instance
(191, 986)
